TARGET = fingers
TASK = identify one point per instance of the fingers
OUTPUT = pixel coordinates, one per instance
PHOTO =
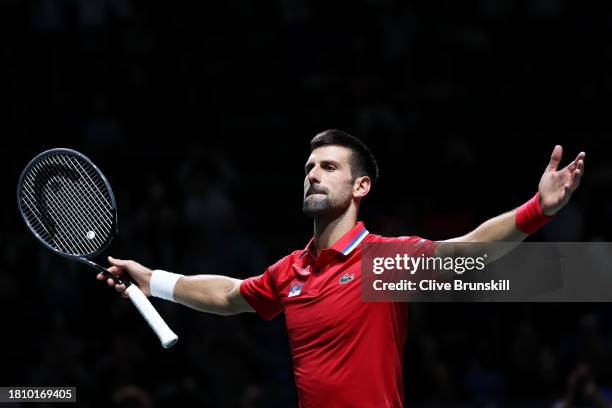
(116, 269)
(555, 158)
(576, 180)
(119, 287)
(577, 170)
(117, 262)
(578, 163)
(112, 283)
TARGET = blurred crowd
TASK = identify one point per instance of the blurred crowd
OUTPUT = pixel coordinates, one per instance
(200, 116)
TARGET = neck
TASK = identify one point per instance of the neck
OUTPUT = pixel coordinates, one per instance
(329, 230)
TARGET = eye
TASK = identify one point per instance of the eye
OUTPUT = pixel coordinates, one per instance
(330, 167)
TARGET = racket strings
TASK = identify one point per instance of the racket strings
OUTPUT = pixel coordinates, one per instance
(94, 199)
(63, 236)
(51, 236)
(64, 216)
(71, 208)
(60, 208)
(85, 225)
(91, 212)
(74, 223)
(98, 183)
(31, 211)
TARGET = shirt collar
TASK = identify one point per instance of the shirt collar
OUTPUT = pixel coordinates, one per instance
(346, 244)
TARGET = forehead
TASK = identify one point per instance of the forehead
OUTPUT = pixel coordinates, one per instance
(339, 154)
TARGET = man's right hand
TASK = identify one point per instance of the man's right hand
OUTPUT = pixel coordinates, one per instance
(140, 274)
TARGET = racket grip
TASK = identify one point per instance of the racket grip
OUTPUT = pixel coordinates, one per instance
(166, 336)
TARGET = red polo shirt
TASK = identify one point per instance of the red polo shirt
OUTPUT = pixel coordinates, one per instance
(346, 352)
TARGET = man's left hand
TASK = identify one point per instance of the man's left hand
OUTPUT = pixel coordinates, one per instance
(556, 186)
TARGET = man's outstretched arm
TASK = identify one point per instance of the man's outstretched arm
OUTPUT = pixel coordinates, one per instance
(554, 191)
(207, 293)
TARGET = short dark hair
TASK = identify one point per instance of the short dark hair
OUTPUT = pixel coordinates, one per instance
(362, 161)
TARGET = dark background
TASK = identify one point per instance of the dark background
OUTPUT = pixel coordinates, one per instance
(200, 116)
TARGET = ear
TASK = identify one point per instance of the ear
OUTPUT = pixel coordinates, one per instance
(361, 186)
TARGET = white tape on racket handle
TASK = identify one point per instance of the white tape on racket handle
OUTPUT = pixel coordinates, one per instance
(146, 309)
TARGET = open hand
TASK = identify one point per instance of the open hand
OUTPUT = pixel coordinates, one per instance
(556, 186)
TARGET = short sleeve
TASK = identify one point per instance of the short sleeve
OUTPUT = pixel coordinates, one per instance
(420, 246)
(260, 292)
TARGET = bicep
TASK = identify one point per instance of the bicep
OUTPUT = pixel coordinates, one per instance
(450, 247)
(236, 300)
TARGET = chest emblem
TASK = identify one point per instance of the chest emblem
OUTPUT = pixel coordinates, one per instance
(295, 290)
(346, 278)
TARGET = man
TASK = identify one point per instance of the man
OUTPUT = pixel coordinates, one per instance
(345, 352)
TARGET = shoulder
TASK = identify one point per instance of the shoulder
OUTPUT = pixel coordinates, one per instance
(275, 274)
(286, 261)
(407, 238)
(402, 239)
(283, 267)
(414, 242)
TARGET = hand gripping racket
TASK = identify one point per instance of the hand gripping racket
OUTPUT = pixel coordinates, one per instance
(69, 206)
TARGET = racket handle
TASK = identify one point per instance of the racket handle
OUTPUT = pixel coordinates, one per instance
(146, 309)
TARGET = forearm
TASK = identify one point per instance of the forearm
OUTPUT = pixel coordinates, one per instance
(501, 228)
(511, 228)
(209, 293)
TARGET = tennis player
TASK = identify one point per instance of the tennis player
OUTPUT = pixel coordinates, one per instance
(346, 352)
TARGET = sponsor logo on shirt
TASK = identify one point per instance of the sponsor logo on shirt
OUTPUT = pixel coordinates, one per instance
(346, 278)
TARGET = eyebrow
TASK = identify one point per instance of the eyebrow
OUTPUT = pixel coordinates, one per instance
(334, 162)
(323, 162)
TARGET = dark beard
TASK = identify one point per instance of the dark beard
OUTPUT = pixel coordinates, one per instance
(317, 208)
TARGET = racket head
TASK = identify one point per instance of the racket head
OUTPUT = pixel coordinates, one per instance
(67, 203)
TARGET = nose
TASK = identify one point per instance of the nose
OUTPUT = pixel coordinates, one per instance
(314, 176)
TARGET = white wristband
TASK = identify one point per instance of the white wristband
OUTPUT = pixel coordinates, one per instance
(162, 284)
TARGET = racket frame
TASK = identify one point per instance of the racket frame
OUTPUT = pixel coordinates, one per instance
(114, 225)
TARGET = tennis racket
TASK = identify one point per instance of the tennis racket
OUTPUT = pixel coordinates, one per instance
(69, 206)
